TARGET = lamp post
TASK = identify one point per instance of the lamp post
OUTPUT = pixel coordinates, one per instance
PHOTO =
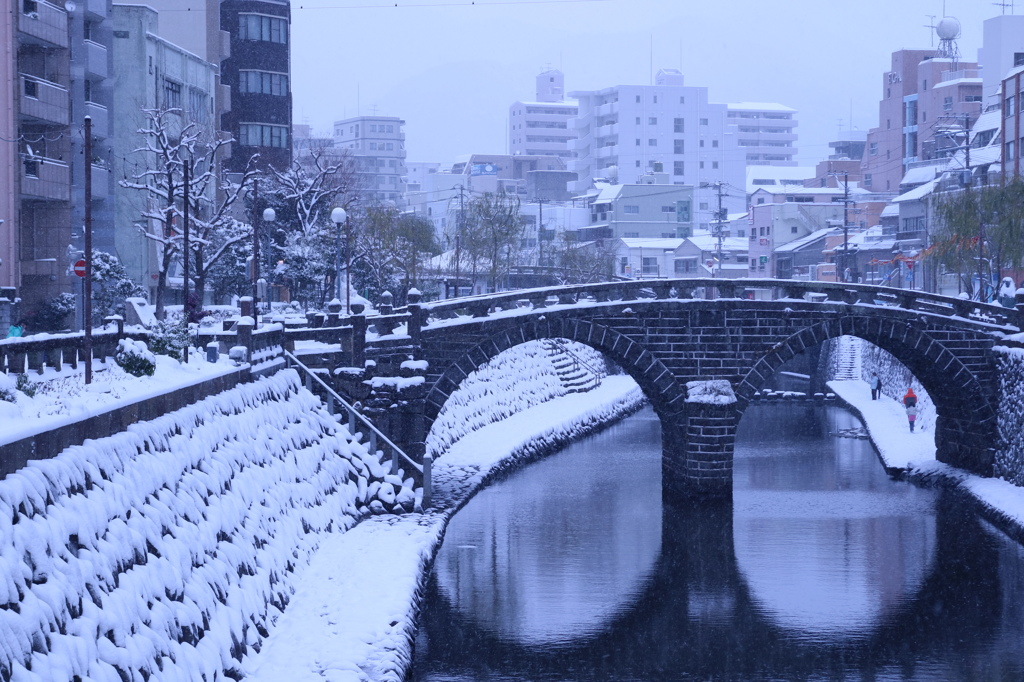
(269, 216)
(338, 217)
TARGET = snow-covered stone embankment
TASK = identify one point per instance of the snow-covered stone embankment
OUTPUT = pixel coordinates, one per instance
(169, 551)
(358, 624)
(1010, 455)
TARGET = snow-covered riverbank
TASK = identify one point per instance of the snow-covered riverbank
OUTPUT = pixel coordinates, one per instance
(352, 616)
(998, 500)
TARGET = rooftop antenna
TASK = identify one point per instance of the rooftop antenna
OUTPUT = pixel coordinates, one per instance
(1004, 5)
(931, 30)
(948, 30)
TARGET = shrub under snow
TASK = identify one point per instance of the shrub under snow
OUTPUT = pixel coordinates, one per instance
(134, 357)
(167, 552)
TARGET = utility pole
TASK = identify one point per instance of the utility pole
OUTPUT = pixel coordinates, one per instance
(185, 172)
(458, 239)
(87, 303)
(540, 233)
(846, 225)
(719, 219)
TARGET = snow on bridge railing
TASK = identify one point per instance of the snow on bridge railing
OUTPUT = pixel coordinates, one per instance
(712, 288)
(62, 352)
(421, 473)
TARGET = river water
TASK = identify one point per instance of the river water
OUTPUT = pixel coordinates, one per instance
(823, 568)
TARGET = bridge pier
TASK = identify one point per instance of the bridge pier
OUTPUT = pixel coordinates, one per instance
(698, 450)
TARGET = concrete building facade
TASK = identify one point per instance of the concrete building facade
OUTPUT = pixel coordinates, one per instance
(766, 133)
(376, 145)
(541, 127)
(170, 70)
(626, 129)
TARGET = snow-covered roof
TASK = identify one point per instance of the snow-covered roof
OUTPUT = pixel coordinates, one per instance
(759, 106)
(798, 244)
(916, 176)
(917, 193)
(710, 243)
(651, 243)
(889, 211)
(958, 81)
(564, 103)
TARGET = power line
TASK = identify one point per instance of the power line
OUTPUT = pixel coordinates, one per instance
(407, 5)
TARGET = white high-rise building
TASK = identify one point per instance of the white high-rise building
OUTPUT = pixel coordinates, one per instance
(766, 132)
(377, 146)
(625, 130)
(541, 128)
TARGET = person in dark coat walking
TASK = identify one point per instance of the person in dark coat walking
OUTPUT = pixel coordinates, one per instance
(876, 386)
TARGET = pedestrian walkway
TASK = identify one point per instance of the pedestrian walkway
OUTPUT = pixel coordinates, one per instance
(886, 422)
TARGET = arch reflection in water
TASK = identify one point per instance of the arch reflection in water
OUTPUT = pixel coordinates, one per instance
(558, 564)
(827, 545)
(943, 602)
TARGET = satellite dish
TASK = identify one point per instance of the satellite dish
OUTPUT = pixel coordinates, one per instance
(70, 6)
(948, 29)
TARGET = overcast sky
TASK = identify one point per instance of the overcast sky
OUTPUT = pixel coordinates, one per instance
(451, 68)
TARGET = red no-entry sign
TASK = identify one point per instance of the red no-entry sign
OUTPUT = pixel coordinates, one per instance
(80, 268)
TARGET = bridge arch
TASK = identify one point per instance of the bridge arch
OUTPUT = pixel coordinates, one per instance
(657, 382)
(965, 415)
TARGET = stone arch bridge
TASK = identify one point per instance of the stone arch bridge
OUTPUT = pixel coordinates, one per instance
(668, 333)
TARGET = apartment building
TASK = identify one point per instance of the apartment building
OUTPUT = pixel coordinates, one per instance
(541, 127)
(257, 69)
(928, 103)
(172, 78)
(46, 97)
(766, 132)
(650, 209)
(376, 145)
(626, 129)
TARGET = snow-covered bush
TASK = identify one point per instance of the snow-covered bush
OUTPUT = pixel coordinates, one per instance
(133, 357)
(26, 385)
(169, 338)
(52, 316)
(8, 389)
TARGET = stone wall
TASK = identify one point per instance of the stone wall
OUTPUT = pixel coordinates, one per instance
(1010, 454)
(168, 552)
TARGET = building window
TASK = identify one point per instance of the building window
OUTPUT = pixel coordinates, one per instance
(638, 99)
(652, 142)
(262, 27)
(197, 103)
(678, 147)
(686, 266)
(714, 143)
(679, 125)
(262, 135)
(652, 120)
(873, 149)
(633, 210)
(714, 164)
(263, 83)
(1009, 109)
(655, 99)
(682, 100)
(677, 168)
(794, 229)
(668, 209)
(867, 179)
(702, 165)
(638, 120)
(947, 104)
(703, 121)
(1009, 151)
(638, 163)
(172, 94)
(701, 144)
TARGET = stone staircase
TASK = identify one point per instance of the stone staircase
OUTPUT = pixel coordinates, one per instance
(575, 374)
(848, 359)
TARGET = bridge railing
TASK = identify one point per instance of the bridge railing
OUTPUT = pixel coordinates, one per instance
(378, 442)
(62, 352)
(712, 288)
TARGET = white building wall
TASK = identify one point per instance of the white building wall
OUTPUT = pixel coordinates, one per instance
(625, 130)
(377, 146)
(766, 133)
(1003, 38)
(542, 127)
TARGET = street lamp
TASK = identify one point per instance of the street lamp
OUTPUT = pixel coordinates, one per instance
(269, 216)
(339, 217)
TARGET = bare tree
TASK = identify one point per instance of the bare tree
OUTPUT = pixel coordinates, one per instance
(169, 143)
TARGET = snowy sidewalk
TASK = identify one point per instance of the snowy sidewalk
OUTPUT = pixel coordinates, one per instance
(886, 422)
(352, 615)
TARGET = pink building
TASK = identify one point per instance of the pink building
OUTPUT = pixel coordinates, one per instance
(927, 101)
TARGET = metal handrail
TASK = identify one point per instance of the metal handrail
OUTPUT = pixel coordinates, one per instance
(577, 360)
(423, 470)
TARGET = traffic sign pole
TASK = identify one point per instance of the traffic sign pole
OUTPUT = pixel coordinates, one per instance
(87, 345)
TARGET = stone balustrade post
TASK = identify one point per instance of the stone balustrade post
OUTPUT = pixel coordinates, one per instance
(245, 327)
(245, 305)
(334, 313)
(415, 324)
(358, 320)
(1019, 301)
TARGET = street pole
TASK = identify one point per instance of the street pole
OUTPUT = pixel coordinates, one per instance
(348, 265)
(185, 173)
(337, 264)
(846, 225)
(255, 247)
(87, 303)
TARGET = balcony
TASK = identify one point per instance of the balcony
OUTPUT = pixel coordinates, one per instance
(47, 24)
(607, 152)
(43, 101)
(96, 7)
(609, 109)
(98, 113)
(96, 59)
(43, 178)
(610, 130)
(100, 182)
